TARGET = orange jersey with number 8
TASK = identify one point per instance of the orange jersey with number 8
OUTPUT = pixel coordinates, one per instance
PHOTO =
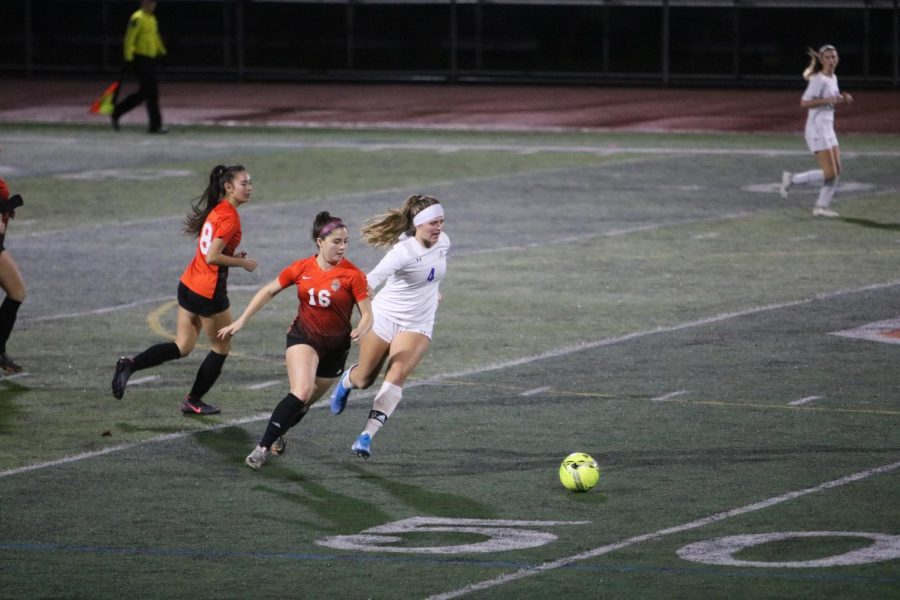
(210, 281)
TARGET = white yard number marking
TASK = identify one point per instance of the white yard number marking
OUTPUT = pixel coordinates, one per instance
(720, 551)
(501, 535)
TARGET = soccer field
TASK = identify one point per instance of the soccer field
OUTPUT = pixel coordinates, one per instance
(649, 299)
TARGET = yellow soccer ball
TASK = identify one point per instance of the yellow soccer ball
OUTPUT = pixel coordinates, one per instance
(579, 472)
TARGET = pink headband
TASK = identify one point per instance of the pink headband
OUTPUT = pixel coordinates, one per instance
(331, 226)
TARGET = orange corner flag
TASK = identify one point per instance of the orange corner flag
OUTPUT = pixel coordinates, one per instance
(104, 104)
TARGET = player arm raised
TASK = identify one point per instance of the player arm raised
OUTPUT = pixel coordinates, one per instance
(260, 299)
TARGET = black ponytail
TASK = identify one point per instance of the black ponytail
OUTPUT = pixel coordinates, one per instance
(210, 198)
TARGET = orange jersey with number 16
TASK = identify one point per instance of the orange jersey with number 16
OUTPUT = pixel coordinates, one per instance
(210, 281)
(326, 299)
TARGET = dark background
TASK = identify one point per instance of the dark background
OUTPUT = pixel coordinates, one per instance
(641, 42)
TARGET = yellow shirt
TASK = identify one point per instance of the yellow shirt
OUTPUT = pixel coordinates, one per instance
(142, 37)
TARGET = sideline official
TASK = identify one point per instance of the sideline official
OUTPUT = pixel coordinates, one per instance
(142, 48)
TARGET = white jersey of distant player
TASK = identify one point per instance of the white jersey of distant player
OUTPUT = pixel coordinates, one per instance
(411, 274)
(821, 86)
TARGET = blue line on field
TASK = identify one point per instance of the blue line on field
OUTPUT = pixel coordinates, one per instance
(754, 573)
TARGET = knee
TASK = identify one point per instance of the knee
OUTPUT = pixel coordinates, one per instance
(218, 346)
(184, 348)
(303, 394)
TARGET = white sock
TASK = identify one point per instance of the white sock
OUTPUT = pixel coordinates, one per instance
(349, 385)
(826, 193)
(386, 400)
(814, 177)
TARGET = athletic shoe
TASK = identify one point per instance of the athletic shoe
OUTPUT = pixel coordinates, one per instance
(340, 394)
(124, 369)
(785, 184)
(278, 446)
(362, 446)
(198, 407)
(8, 364)
(256, 459)
(821, 211)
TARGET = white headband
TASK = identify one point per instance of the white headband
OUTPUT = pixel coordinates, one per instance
(428, 214)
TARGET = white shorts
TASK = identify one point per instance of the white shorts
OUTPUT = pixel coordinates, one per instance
(387, 329)
(820, 135)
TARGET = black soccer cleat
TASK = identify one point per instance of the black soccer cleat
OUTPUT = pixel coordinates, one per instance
(8, 364)
(198, 407)
(124, 369)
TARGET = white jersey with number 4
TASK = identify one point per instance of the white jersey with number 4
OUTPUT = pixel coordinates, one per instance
(411, 274)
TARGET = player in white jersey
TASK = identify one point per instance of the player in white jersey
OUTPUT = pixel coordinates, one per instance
(821, 96)
(409, 277)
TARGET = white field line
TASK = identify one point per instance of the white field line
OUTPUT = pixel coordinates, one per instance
(565, 350)
(264, 384)
(494, 367)
(163, 438)
(556, 241)
(802, 401)
(535, 391)
(460, 146)
(101, 311)
(638, 539)
(141, 380)
(669, 396)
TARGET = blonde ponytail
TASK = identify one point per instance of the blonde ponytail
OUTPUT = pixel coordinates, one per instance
(811, 69)
(383, 231)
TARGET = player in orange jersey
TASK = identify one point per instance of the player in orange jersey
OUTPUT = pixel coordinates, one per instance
(10, 279)
(202, 292)
(318, 341)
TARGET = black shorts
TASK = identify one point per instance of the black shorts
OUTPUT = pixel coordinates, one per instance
(198, 305)
(331, 362)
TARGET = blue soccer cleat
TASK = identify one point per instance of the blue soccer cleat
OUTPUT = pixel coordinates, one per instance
(362, 446)
(340, 394)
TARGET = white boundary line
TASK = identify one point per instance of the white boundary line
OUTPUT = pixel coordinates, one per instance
(455, 146)
(128, 446)
(802, 401)
(505, 365)
(646, 537)
(487, 368)
(669, 396)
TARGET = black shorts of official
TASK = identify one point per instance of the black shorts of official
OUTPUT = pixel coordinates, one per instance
(331, 363)
(196, 304)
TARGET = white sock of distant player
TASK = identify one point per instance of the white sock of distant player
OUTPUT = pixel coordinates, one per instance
(386, 400)
(826, 193)
(814, 177)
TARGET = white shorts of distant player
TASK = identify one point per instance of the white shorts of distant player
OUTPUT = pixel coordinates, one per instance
(819, 132)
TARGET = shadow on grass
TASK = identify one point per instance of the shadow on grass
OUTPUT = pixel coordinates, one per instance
(345, 512)
(871, 224)
(426, 501)
(9, 390)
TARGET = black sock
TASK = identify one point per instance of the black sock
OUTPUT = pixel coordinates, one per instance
(156, 355)
(207, 374)
(288, 413)
(8, 311)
